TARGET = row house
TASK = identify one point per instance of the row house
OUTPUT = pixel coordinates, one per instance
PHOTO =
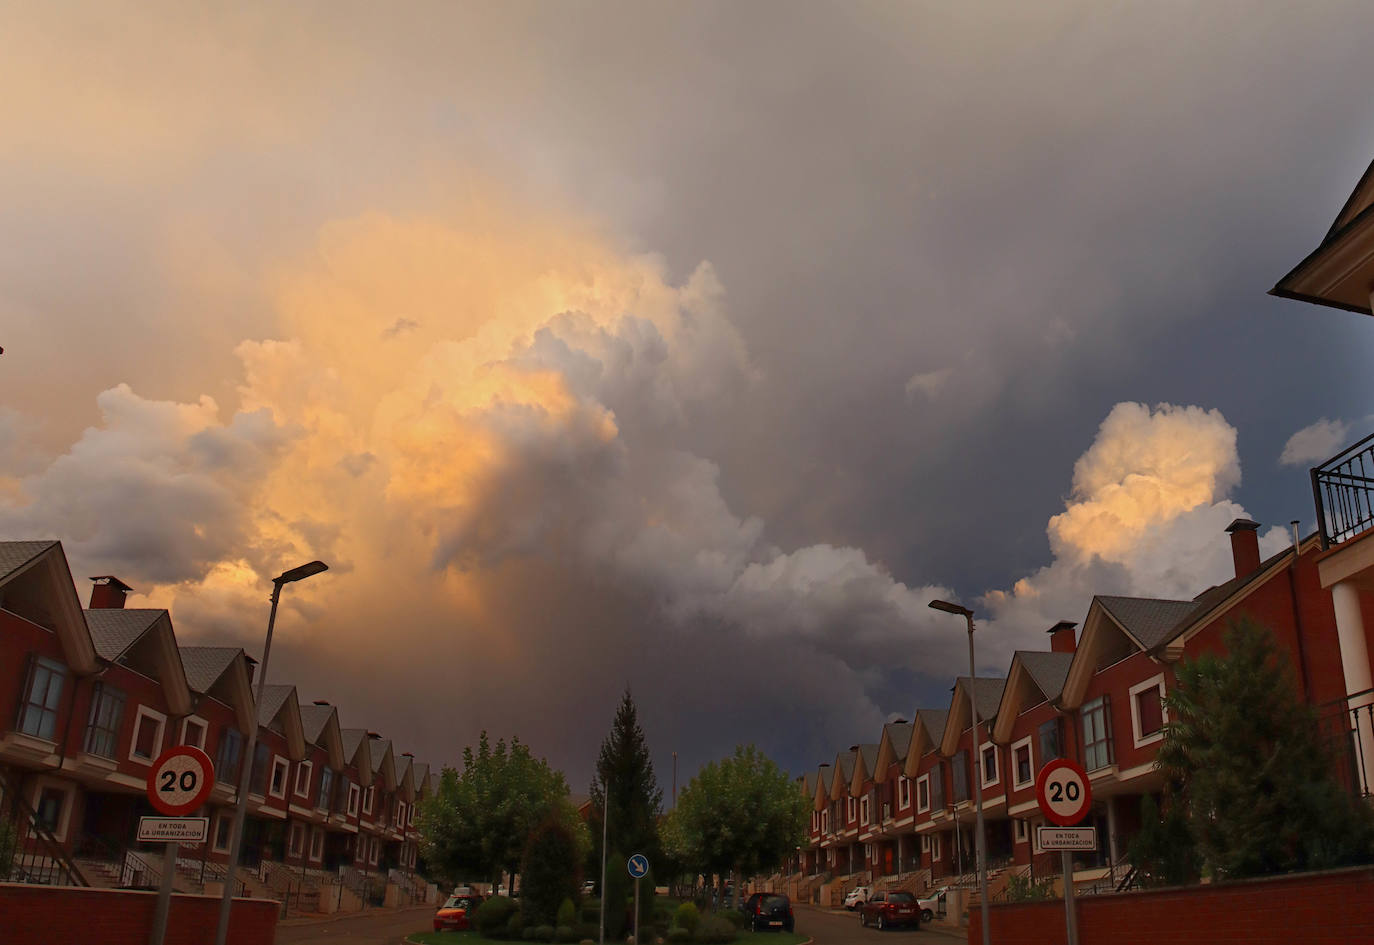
(99, 693)
(903, 810)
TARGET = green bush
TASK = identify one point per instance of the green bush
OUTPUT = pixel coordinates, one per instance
(515, 925)
(687, 917)
(617, 894)
(565, 933)
(550, 872)
(735, 917)
(544, 933)
(567, 913)
(586, 930)
(1029, 889)
(528, 934)
(715, 930)
(493, 916)
(591, 910)
(677, 935)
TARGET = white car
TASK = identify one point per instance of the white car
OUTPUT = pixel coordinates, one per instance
(857, 897)
(932, 903)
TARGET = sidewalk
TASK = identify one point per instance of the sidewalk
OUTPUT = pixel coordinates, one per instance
(321, 919)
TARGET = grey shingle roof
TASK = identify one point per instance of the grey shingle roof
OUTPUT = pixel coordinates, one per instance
(934, 721)
(313, 720)
(1047, 670)
(422, 779)
(987, 694)
(352, 738)
(378, 751)
(15, 554)
(114, 629)
(204, 665)
(845, 764)
(869, 753)
(809, 785)
(273, 698)
(899, 734)
(1150, 620)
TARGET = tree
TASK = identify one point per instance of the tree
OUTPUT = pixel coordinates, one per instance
(635, 797)
(1250, 775)
(477, 823)
(737, 816)
(550, 871)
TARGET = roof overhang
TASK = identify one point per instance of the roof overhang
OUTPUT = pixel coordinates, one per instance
(172, 673)
(861, 774)
(958, 719)
(1016, 696)
(887, 756)
(1340, 272)
(919, 746)
(839, 781)
(69, 622)
(332, 737)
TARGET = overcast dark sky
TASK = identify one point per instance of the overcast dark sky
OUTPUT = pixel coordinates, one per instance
(689, 347)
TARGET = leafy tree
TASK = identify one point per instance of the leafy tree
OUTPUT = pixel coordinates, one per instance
(1165, 851)
(476, 824)
(550, 872)
(1254, 779)
(737, 816)
(615, 897)
(636, 800)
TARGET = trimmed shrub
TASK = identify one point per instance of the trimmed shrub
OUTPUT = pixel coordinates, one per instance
(515, 926)
(677, 935)
(528, 934)
(550, 872)
(493, 916)
(735, 917)
(715, 930)
(617, 895)
(565, 933)
(567, 913)
(687, 917)
(544, 933)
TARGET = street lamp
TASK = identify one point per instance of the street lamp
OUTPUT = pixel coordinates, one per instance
(981, 847)
(246, 760)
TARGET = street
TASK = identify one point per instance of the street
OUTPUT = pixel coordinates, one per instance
(374, 928)
(838, 927)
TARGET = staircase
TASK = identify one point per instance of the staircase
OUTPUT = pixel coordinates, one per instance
(29, 853)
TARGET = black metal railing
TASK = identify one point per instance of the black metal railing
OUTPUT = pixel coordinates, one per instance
(1343, 489)
(1347, 725)
(29, 853)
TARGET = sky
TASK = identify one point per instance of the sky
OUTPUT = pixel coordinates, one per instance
(692, 348)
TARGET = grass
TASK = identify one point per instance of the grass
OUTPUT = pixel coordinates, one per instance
(472, 938)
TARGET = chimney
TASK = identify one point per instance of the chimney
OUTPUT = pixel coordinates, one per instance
(1245, 545)
(1062, 637)
(108, 592)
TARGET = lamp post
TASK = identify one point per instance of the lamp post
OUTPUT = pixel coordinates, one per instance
(981, 845)
(246, 760)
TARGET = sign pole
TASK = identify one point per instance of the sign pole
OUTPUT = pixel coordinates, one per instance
(1070, 912)
(636, 910)
(164, 895)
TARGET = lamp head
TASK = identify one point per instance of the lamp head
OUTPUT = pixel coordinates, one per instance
(301, 572)
(949, 608)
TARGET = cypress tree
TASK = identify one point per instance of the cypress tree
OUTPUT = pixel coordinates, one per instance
(635, 797)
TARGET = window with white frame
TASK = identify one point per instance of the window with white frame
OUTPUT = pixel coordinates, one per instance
(353, 800)
(52, 807)
(1022, 764)
(224, 822)
(863, 810)
(146, 744)
(372, 856)
(934, 846)
(42, 696)
(923, 794)
(229, 755)
(316, 843)
(193, 730)
(368, 796)
(850, 811)
(1147, 711)
(326, 786)
(401, 813)
(987, 769)
(280, 768)
(903, 792)
(1097, 733)
(1033, 827)
(297, 842)
(305, 770)
(1020, 828)
(107, 712)
(825, 821)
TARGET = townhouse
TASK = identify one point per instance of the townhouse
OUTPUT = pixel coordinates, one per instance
(99, 693)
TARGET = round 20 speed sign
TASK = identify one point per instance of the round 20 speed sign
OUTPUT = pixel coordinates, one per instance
(180, 780)
(1063, 792)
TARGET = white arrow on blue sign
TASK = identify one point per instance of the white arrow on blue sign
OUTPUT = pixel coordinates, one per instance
(638, 865)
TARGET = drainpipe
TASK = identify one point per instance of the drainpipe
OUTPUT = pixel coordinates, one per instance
(1297, 615)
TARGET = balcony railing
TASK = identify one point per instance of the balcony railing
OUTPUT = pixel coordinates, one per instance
(1343, 490)
(1347, 725)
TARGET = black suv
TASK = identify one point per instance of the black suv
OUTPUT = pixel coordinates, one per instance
(769, 911)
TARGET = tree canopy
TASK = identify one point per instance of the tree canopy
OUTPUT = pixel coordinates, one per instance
(739, 815)
(636, 800)
(477, 823)
(1249, 779)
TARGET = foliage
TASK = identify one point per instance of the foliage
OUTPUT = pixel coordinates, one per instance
(1025, 888)
(550, 872)
(624, 770)
(677, 935)
(476, 824)
(565, 933)
(687, 917)
(647, 898)
(515, 926)
(544, 933)
(715, 930)
(615, 899)
(567, 913)
(1165, 852)
(9, 842)
(735, 917)
(742, 814)
(1254, 779)
(493, 916)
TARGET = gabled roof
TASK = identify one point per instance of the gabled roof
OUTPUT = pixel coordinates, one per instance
(118, 635)
(843, 771)
(356, 752)
(280, 711)
(114, 630)
(313, 720)
(204, 665)
(987, 693)
(824, 777)
(221, 672)
(892, 747)
(865, 762)
(1033, 678)
(320, 725)
(384, 760)
(1337, 273)
(927, 731)
(47, 562)
(1148, 621)
(14, 555)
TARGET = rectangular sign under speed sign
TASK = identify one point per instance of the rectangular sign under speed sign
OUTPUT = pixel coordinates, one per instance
(1066, 838)
(173, 829)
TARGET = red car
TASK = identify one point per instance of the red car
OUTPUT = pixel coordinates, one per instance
(889, 909)
(455, 915)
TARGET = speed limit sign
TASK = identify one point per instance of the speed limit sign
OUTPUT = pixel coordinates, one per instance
(1063, 792)
(180, 780)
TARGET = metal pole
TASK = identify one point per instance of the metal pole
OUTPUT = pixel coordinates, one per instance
(1070, 913)
(164, 895)
(245, 774)
(978, 785)
(605, 819)
(636, 910)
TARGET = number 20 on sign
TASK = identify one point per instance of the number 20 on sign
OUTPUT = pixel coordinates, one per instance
(180, 780)
(1064, 792)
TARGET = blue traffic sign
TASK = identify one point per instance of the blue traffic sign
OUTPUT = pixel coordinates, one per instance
(639, 865)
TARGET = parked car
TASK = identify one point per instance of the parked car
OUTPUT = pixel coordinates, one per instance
(456, 913)
(932, 904)
(890, 909)
(767, 911)
(857, 897)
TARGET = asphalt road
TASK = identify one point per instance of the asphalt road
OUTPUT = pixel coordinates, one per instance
(375, 928)
(841, 927)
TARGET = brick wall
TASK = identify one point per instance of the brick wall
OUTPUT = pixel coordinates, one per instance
(42, 915)
(1331, 908)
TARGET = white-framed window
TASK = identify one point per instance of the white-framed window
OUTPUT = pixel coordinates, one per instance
(863, 810)
(52, 806)
(316, 844)
(1019, 826)
(304, 771)
(193, 731)
(925, 843)
(42, 696)
(987, 767)
(146, 743)
(401, 813)
(1096, 720)
(372, 857)
(107, 712)
(1033, 827)
(353, 800)
(1148, 713)
(224, 823)
(934, 846)
(1022, 763)
(903, 792)
(280, 769)
(850, 811)
(368, 797)
(326, 788)
(297, 841)
(825, 821)
(923, 794)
